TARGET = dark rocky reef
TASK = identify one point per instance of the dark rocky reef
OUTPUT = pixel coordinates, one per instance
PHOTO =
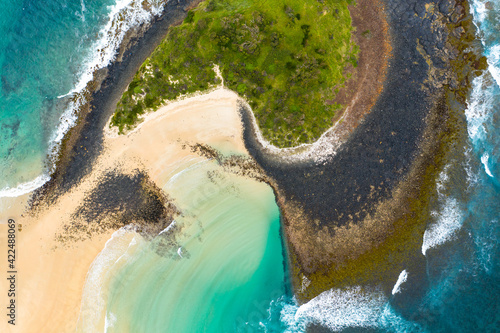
(120, 200)
(359, 217)
(128, 198)
(83, 143)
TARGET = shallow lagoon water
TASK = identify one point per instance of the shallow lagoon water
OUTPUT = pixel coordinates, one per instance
(217, 268)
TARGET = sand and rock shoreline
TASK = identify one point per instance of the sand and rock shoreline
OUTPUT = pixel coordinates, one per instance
(83, 143)
(374, 190)
(338, 201)
(366, 155)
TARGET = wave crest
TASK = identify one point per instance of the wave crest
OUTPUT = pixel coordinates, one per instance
(24, 188)
(123, 16)
(338, 309)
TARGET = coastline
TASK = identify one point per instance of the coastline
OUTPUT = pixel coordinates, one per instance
(358, 95)
(83, 146)
(62, 244)
(330, 206)
(49, 209)
(83, 142)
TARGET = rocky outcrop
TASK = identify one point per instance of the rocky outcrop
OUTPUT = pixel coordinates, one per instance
(356, 215)
(83, 143)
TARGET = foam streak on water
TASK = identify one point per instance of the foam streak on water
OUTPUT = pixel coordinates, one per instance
(484, 160)
(447, 219)
(403, 276)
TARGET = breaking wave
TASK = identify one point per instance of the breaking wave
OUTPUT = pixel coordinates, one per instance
(24, 188)
(338, 309)
(123, 16)
(403, 276)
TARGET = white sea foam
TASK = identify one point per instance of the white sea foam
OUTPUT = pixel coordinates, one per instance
(352, 307)
(81, 14)
(481, 16)
(84, 9)
(442, 179)
(24, 188)
(117, 251)
(484, 160)
(494, 62)
(170, 227)
(472, 177)
(479, 11)
(109, 321)
(482, 103)
(319, 151)
(479, 107)
(403, 276)
(287, 317)
(123, 16)
(483, 100)
(448, 221)
(487, 241)
(338, 309)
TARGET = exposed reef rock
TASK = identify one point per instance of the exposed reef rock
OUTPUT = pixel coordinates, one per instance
(83, 143)
(355, 209)
(360, 92)
(360, 213)
(119, 200)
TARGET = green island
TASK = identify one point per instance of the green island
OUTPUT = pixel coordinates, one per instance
(287, 58)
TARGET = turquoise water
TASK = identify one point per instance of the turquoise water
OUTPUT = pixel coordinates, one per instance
(218, 268)
(41, 53)
(223, 270)
(48, 52)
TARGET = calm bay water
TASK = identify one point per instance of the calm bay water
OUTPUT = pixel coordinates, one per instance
(218, 268)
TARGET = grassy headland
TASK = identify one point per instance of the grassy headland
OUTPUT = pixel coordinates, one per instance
(287, 58)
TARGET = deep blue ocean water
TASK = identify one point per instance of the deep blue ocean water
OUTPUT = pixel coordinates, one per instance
(48, 51)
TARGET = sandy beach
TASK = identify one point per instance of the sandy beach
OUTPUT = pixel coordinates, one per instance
(51, 274)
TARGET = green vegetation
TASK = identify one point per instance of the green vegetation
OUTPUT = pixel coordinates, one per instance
(286, 57)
